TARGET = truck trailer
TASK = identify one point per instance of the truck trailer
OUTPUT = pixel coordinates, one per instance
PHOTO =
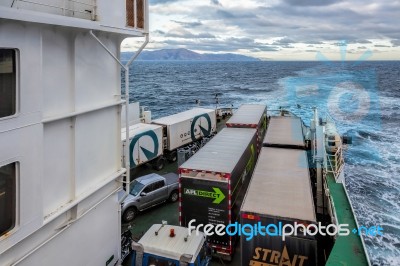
(184, 128)
(155, 142)
(279, 193)
(145, 145)
(214, 181)
(285, 132)
(251, 116)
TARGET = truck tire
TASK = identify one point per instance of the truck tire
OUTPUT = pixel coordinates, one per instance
(159, 163)
(129, 214)
(174, 196)
(172, 157)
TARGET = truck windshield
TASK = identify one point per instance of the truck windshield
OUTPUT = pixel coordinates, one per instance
(136, 188)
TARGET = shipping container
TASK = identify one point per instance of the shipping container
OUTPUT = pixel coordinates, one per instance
(213, 183)
(285, 132)
(185, 127)
(145, 143)
(279, 193)
(251, 116)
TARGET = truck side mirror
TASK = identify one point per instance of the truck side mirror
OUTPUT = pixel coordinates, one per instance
(143, 194)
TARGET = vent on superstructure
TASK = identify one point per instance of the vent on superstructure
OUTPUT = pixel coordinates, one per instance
(130, 18)
(140, 13)
(135, 13)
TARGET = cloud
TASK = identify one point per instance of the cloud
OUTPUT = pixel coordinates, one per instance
(188, 23)
(275, 24)
(216, 2)
(225, 14)
(284, 41)
(265, 48)
(158, 2)
(157, 33)
(220, 45)
(185, 34)
(311, 2)
(355, 41)
(395, 42)
(312, 42)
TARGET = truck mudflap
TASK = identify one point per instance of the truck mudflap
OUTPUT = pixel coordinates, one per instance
(271, 251)
(223, 252)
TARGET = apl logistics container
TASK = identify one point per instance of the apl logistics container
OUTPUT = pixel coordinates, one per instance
(279, 193)
(213, 183)
(251, 116)
(145, 143)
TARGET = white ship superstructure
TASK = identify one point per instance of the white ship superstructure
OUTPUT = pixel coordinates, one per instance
(60, 128)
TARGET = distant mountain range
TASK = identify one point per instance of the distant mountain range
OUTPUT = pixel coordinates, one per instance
(185, 55)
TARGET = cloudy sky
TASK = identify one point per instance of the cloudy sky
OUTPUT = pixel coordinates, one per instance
(277, 29)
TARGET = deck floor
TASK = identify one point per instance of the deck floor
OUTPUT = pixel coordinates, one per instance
(347, 250)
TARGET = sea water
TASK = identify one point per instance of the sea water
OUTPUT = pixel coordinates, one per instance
(362, 97)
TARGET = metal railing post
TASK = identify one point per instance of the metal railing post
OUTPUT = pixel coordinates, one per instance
(126, 68)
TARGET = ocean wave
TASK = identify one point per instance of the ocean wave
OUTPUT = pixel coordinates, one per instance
(372, 170)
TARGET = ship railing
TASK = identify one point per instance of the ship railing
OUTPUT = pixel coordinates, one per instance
(330, 206)
(335, 162)
(71, 8)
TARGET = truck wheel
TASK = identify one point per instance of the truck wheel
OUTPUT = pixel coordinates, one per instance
(172, 157)
(130, 214)
(174, 196)
(159, 163)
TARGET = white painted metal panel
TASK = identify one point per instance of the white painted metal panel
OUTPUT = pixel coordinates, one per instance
(21, 136)
(134, 114)
(112, 13)
(97, 74)
(79, 9)
(58, 159)
(62, 160)
(30, 101)
(57, 83)
(25, 146)
(89, 241)
(97, 147)
(145, 143)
